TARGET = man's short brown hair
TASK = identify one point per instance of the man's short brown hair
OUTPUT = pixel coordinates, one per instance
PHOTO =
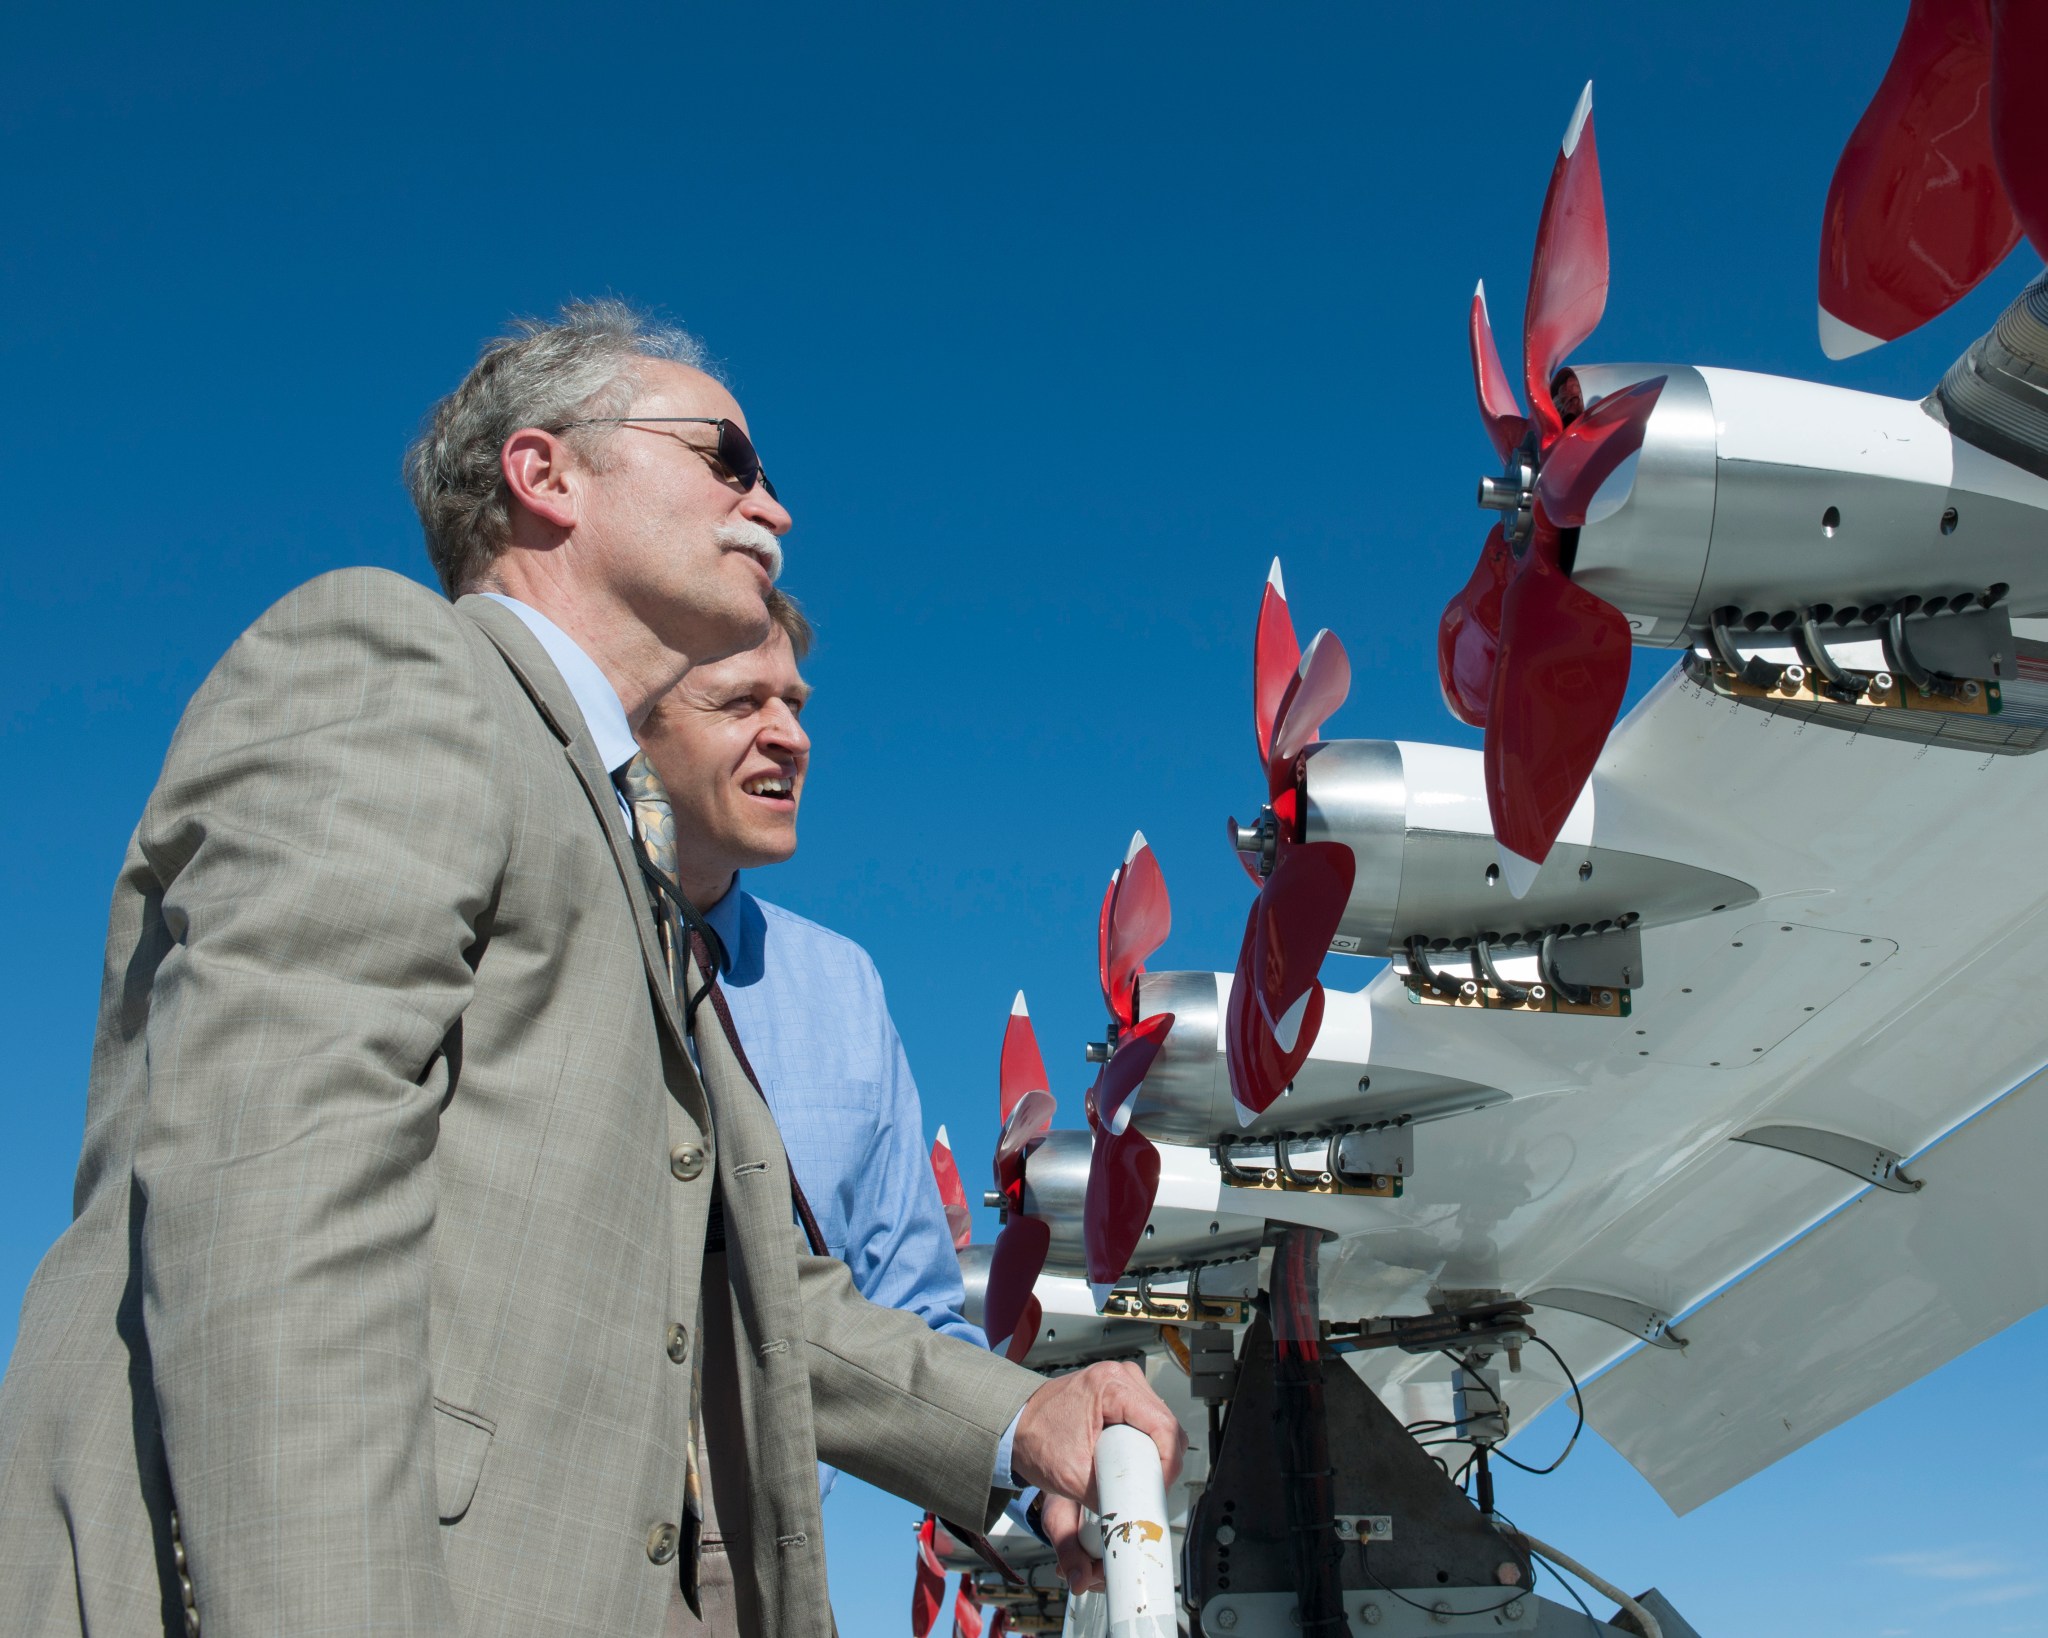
(784, 610)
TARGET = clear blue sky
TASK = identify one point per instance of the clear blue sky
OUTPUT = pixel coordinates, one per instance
(1054, 323)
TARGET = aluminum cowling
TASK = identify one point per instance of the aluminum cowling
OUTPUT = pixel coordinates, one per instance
(1415, 818)
(1186, 1097)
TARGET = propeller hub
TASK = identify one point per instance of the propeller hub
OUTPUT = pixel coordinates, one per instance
(1513, 495)
(1259, 841)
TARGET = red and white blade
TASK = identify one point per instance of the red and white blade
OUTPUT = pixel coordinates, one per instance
(1026, 1332)
(1030, 1119)
(1276, 654)
(1468, 635)
(1563, 669)
(1917, 214)
(1023, 1068)
(1013, 1269)
(1505, 423)
(1116, 1086)
(1591, 450)
(1138, 917)
(2019, 113)
(1321, 682)
(1568, 273)
(1259, 1069)
(930, 1589)
(1123, 1181)
(966, 1610)
(1294, 919)
(952, 1192)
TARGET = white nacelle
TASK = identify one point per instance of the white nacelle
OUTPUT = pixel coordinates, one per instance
(1767, 495)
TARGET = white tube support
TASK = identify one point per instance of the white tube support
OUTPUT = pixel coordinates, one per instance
(1542, 1549)
(1131, 1536)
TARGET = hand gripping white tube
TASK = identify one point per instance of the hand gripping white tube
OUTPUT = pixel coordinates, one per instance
(1137, 1546)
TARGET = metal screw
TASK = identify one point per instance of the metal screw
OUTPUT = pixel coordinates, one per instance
(1369, 1614)
(1226, 1617)
(1225, 1535)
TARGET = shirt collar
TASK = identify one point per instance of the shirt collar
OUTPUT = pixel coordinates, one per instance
(724, 917)
(603, 714)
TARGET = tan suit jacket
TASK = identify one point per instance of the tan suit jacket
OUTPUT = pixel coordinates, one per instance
(388, 1198)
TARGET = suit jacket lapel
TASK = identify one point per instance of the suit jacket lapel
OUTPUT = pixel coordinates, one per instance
(551, 697)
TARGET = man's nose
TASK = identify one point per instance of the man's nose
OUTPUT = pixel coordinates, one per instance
(758, 506)
(784, 731)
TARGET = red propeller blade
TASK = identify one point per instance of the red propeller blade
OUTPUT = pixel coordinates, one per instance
(1319, 688)
(1505, 423)
(930, 1590)
(1138, 918)
(1293, 921)
(1023, 1070)
(2019, 117)
(1259, 1070)
(966, 1610)
(1276, 1004)
(1013, 1269)
(952, 1192)
(1123, 1181)
(1916, 215)
(1276, 653)
(1592, 450)
(1468, 636)
(1123, 1171)
(1026, 1333)
(998, 1621)
(1568, 274)
(1030, 1119)
(1563, 669)
(1127, 1068)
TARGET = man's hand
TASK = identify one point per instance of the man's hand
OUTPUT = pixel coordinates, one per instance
(1055, 1444)
(1060, 1518)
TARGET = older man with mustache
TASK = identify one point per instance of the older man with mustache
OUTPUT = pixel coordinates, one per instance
(424, 1178)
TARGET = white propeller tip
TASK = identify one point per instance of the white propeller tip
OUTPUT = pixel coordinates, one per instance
(944, 1141)
(1244, 1116)
(1100, 1293)
(1519, 873)
(1839, 340)
(1276, 580)
(1138, 845)
(1287, 1027)
(1017, 1007)
(1580, 115)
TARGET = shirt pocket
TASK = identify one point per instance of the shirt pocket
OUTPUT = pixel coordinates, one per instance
(828, 1126)
(461, 1440)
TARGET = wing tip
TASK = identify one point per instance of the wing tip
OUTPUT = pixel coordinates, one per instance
(1840, 340)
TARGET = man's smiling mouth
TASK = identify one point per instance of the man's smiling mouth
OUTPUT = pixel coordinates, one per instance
(771, 785)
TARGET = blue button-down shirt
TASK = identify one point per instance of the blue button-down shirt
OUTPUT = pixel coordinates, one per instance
(809, 1008)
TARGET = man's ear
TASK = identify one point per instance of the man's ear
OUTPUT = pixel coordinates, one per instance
(542, 476)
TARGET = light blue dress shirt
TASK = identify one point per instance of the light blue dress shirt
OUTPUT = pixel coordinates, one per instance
(809, 1010)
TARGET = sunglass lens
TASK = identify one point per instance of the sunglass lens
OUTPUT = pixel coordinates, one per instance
(736, 455)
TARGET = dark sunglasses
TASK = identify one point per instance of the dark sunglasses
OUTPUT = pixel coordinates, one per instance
(734, 452)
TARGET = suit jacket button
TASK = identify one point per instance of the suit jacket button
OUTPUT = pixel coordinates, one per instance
(678, 1342)
(686, 1160)
(661, 1543)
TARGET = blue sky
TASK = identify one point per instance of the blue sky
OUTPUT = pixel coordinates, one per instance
(1055, 324)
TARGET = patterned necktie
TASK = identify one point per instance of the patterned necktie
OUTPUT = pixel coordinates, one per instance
(654, 843)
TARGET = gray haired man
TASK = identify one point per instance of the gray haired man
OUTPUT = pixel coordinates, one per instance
(415, 1130)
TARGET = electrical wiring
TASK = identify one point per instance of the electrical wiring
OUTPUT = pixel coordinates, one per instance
(1578, 1403)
